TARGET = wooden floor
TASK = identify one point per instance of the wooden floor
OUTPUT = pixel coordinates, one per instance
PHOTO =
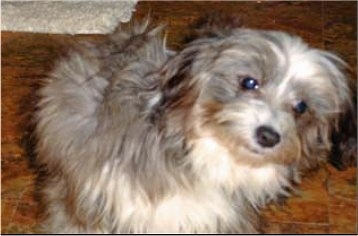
(327, 199)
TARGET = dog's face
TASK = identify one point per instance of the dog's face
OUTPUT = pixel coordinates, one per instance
(266, 96)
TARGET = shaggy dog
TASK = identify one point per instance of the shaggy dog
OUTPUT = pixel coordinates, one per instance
(137, 138)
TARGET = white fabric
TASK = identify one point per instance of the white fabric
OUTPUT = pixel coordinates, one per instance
(65, 17)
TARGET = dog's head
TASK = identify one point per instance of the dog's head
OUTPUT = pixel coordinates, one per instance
(265, 95)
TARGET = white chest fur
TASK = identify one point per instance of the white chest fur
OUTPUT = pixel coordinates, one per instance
(196, 209)
(219, 168)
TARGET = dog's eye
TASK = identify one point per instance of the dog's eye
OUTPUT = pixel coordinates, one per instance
(300, 107)
(249, 83)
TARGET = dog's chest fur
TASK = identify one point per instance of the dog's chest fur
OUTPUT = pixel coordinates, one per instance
(214, 202)
(223, 170)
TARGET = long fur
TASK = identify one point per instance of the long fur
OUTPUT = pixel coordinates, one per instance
(137, 138)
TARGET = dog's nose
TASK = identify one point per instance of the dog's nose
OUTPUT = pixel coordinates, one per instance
(267, 136)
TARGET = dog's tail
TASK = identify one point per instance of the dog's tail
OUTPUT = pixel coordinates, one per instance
(71, 101)
(68, 101)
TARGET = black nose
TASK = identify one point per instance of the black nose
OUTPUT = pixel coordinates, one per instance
(266, 136)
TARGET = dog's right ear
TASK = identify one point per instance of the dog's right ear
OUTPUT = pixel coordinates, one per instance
(176, 88)
(178, 80)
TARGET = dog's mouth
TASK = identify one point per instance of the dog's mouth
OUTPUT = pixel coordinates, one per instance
(285, 152)
(253, 150)
(257, 151)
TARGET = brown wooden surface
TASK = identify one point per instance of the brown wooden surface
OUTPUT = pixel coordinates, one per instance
(326, 201)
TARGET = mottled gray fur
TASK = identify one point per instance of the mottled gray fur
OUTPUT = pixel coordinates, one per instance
(122, 130)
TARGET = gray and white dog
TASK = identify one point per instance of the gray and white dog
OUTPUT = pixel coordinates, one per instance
(137, 138)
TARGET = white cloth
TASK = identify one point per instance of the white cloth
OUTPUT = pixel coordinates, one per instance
(65, 17)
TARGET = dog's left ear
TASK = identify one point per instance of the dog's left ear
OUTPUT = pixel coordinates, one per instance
(344, 139)
(327, 137)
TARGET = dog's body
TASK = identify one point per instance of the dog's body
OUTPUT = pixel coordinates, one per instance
(140, 139)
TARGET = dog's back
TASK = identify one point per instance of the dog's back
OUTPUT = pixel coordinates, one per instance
(96, 96)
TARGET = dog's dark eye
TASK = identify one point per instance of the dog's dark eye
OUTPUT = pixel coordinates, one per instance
(300, 107)
(249, 83)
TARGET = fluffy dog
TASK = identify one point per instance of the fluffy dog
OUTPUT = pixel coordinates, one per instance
(137, 138)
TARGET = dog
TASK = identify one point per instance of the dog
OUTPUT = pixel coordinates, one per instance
(139, 138)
